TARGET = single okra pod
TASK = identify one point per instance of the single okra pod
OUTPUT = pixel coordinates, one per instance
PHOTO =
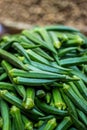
(7, 86)
(78, 124)
(82, 116)
(39, 124)
(3, 76)
(48, 97)
(29, 100)
(36, 74)
(70, 106)
(28, 125)
(64, 124)
(16, 114)
(82, 88)
(5, 115)
(58, 101)
(32, 81)
(21, 91)
(55, 40)
(61, 28)
(51, 124)
(73, 61)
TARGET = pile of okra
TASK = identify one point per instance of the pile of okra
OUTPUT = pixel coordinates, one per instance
(43, 79)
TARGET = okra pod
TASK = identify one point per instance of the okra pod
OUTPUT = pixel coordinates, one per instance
(29, 100)
(51, 124)
(5, 115)
(16, 114)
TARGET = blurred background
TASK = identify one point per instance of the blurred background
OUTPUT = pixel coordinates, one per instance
(25, 13)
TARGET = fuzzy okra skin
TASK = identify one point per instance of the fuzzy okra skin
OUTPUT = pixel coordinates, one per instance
(61, 28)
(36, 74)
(16, 114)
(51, 124)
(32, 81)
(64, 124)
(5, 115)
(73, 61)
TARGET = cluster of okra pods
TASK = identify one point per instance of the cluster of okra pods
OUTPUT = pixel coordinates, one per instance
(43, 79)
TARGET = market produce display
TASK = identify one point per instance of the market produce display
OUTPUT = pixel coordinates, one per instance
(43, 79)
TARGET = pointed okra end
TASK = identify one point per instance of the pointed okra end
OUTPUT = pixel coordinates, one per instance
(57, 44)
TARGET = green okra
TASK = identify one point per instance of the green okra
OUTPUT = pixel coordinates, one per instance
(51, 124)
(64, 51)
(5, 115)
(48, 97)
(7, 86)
(16, 114)
(82, 88)
(64, 124)
(21, 91)
(78, 124)
(38, 124)
(79, 74)
(29, 100)
(3, 76)
(46, 117)
(33, 114)
(73, 61)
(82, 116)
(57, 44)
(61, 28)
(21, 50)
(32, 81)
(29, 46)
(12, 59)
(34, 56)
(36, 74)
(49, 109)
(28, 125)
(58, 101)
(36, 40)
(70, 106)
(46, 37)
(79, 102)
